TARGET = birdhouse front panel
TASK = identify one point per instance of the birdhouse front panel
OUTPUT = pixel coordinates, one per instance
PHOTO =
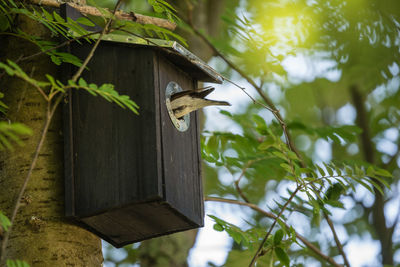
(180, 150)
(116, 154)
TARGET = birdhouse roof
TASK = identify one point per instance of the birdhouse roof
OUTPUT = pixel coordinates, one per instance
(176, 53)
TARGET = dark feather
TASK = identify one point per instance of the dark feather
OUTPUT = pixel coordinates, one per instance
(196, 93)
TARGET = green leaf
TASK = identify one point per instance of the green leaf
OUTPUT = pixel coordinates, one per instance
(328, 169)
(286, 167)
(226, 113)
(4, 221)
(82, 82)
(278, 237)
(12, 132)
(85, 21)
(266, 144)
(55, 60)
(321, 171)
(16, 263)
(280, 155)
(58, 18)
(282, 256)
(338, 171)
(4, 23)
(370, 171)
(261, 126)
(383, 172)
(377, 186)
(292, 155)
(7, 69)
(335, 191)
(218, 227)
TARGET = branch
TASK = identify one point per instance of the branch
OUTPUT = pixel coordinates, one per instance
(273, 216)
(238, 189)
(90, 10)
(256, 255)
(337, 240)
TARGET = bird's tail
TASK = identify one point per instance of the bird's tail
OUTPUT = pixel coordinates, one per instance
(217, 103)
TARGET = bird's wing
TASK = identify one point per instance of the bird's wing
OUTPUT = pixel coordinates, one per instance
(196, 93)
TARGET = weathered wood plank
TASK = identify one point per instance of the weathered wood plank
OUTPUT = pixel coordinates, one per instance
(180, 150)
(115, 151)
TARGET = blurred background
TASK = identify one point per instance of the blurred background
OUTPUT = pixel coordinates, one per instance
(332, 70)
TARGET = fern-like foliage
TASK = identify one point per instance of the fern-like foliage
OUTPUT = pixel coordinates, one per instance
(3, 106)
(106, 91)
(276, 244)
(11, 133)
(261, 154)
(163, 7)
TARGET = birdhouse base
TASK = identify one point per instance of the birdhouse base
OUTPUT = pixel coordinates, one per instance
(146, 220)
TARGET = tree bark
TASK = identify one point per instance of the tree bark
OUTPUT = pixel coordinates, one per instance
(378, 212)
(41, 235)
(170, 250)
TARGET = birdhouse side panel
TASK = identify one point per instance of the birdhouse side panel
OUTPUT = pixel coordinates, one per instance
(181, 162)
(116, 154)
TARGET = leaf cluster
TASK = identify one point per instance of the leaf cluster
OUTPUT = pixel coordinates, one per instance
(321, 185)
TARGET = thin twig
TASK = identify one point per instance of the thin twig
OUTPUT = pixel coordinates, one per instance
(336, 238)
(332, 227)
(255, 101)
(273, 216)
(22, 97)
(249, 163)
(238, 189)
(256, 255)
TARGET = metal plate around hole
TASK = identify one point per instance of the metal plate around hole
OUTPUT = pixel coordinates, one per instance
(180, 124)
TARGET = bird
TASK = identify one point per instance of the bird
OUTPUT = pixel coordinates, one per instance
(184, 102)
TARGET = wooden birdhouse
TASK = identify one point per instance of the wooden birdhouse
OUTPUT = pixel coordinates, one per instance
(133, 177)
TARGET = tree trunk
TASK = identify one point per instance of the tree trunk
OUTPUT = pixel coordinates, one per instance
(378, 211)
(40, 235)
(170, 250)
